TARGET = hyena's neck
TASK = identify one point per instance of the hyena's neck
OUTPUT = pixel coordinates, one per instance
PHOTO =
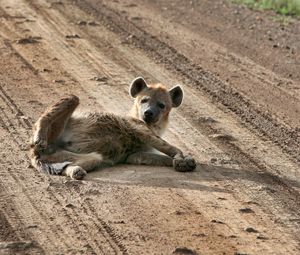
(157, 128)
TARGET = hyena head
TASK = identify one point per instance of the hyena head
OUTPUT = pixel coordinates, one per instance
(154, 102)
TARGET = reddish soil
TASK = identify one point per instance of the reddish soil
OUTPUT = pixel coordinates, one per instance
(240, 119)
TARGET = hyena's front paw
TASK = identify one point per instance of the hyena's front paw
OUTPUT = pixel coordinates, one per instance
(184, 163)
(76, 172)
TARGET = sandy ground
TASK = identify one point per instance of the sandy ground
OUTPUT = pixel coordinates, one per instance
(240, 119)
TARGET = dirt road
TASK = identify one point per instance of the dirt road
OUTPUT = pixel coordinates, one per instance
(240, 119)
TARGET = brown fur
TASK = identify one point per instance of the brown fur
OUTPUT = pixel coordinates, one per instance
(71, 144)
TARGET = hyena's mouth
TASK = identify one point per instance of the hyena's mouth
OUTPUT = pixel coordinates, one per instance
(149, 120)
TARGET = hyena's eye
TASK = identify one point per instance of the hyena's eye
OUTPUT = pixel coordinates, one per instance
(144, 100)
(161, 105)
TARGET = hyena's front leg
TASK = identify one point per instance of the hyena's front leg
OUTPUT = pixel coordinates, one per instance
(149, 158)
(52, 122)
(181, 162)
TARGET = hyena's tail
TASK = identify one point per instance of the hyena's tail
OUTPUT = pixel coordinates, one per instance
(49, 168)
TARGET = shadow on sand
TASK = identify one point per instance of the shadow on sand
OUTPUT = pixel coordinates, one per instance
(165, 177)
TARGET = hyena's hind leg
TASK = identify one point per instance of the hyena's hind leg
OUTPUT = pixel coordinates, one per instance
(77, 164)
(52, 122)
(85, 163)
(46, 131)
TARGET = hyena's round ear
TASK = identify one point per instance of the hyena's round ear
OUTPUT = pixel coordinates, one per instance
(137, 85)
(176, 94)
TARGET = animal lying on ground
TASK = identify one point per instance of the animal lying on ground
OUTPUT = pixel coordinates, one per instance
(71, 143)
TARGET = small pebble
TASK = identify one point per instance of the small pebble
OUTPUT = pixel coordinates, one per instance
(213, 160)
(226, 137)
(99, 78)
(217, 221)
(58, 81)
(246, 210)
(74, 36)
(70, 206)
(29, 40)
(251, 230)
(262, 237)
(32, 226)
(184, 250)
(81, 23)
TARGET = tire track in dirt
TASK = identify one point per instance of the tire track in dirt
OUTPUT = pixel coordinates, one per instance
(285, 137)
(113, 243)
(11, 227)
(113, 238)
(24, 121)
(10, 127)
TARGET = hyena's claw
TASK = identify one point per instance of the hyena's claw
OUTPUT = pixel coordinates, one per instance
(77, 173)
(184, 163)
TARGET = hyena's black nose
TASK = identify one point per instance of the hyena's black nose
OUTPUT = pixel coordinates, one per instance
(148, 113)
